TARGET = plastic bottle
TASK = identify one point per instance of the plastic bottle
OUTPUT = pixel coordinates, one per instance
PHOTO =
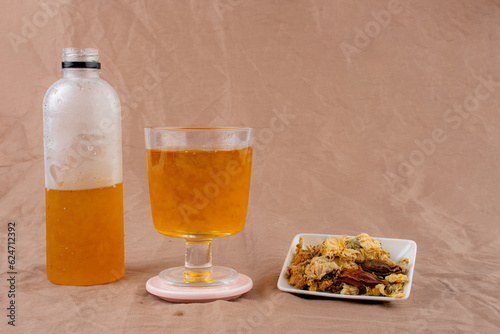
(83, 174)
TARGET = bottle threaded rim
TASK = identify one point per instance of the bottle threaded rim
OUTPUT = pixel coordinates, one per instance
(81, 58)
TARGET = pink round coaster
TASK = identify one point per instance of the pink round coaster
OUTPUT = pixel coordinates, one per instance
(178, 294)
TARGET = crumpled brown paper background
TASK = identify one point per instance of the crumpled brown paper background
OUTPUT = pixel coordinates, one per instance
(371, 116)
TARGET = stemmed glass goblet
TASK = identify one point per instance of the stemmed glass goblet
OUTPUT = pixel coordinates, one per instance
(199, 182)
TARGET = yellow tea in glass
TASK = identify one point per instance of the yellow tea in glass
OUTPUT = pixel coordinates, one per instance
(199, 183)
(199, 193)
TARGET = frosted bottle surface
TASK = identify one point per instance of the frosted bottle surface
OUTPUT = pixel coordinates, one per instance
(83, 174)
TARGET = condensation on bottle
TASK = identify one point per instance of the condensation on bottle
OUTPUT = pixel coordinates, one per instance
(82, 127)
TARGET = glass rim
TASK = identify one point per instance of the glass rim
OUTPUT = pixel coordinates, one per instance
(182, 128)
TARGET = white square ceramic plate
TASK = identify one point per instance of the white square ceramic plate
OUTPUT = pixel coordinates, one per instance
(398, 248)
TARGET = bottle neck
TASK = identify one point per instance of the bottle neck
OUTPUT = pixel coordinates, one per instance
(81, 73)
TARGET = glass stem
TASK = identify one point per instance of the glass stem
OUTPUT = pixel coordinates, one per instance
(198, 263)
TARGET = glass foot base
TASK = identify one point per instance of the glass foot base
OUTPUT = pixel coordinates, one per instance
(178, 294)
(179, 277)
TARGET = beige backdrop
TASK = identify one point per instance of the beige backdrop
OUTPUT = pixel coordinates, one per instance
(371, 116)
